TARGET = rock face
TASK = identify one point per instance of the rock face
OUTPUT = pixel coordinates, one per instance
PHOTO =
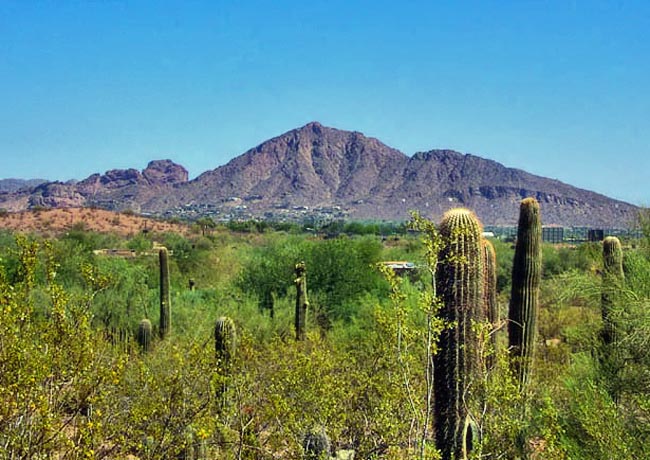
(310, 166)
(316, 166)
(163, 172)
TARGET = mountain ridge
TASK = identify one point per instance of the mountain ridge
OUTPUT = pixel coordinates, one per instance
(342, 174)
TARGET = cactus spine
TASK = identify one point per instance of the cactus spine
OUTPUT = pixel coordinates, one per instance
(459, 284)
(612, 279)
(165, 299)
(490, 293)
(526, 275)
(144, 335)
(302, 303)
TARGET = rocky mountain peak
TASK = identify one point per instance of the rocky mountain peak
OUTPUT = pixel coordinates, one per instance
(161, 172)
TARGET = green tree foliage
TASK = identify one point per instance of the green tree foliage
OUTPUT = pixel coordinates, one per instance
(70, 388)
(340, 270)
(53, 367)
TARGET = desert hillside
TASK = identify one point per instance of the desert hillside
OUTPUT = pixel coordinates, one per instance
(57, 221)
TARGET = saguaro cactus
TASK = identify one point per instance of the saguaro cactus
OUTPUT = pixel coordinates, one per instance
(144, 335)
(225, 339)
(490, 292)
(612, 278)
(459, 283)
(526, 275)
(225, 345)
(165, 299)
(302, 303)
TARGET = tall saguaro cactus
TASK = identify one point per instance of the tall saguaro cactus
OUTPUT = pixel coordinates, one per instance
(225, 345)
(165, 298)
(524, 298)
(490, 292)
(459, 283)
(302, 303)
(225, 339)
(612, 279)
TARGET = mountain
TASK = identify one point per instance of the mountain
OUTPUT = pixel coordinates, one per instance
(13, 185)
(323, 172)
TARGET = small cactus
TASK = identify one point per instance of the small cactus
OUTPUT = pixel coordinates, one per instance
(302, 303)
(165, 298)
(526, 276)
(316, 446)
(459, 283)
(144, 335)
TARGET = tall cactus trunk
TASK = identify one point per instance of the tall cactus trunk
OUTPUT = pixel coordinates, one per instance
(302, 303)
(612, 278)
(225, 340)
(490, 295)
(459, 283)
(610, 360)
(524, 298)
(165, 299)
(225, 347)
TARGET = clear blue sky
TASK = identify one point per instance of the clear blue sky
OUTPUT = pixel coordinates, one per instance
(558, 88)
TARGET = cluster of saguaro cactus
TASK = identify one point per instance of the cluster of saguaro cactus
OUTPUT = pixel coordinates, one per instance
(612, 279)
(144, 335)
(459, 283)
(165, 298)
(526, 276)
(302, 303)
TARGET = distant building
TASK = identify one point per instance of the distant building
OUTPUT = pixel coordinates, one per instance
(596, 234)
(552, 234)
(399, 266)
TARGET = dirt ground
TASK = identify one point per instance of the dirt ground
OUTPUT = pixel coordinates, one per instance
(52, 222)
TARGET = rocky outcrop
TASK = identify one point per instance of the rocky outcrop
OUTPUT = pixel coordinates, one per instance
(163, 172)
(55, 195)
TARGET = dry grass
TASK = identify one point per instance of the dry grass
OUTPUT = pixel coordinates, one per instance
(52, 222)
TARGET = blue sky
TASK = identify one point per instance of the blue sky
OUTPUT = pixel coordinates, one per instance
(558, 88)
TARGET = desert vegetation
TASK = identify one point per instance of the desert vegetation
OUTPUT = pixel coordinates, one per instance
(254, 342)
